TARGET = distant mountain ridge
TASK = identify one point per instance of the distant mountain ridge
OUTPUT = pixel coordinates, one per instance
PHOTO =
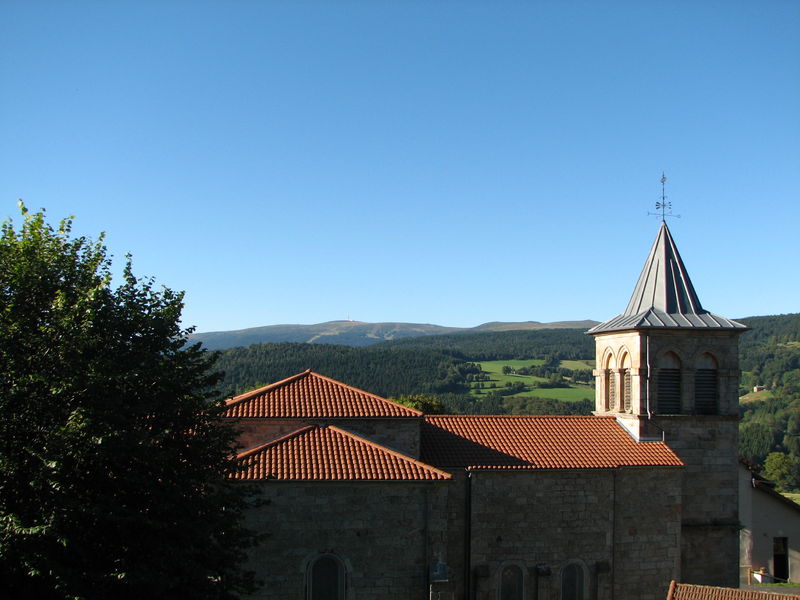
(358, 333)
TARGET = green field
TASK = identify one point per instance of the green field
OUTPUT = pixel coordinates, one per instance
(495, 371)
(755, 397)
(577, 364)
(794, 497)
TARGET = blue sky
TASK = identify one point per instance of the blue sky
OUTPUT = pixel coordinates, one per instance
(438, 162)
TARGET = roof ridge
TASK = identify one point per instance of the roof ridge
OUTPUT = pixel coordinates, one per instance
(383, 448)
(554, 417)
(268, 387)
(330, 436)
(276, 441)
(360, 391)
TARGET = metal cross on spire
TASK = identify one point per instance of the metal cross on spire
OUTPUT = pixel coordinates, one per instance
(664, 206)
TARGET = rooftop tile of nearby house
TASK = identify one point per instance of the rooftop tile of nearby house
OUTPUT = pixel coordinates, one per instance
(537, 442)
(311, 395)
(685, 591)
(328, 453)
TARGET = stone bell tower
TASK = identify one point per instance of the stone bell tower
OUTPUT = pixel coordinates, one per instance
(669, 369)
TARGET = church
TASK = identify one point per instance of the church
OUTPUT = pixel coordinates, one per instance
(363, 498)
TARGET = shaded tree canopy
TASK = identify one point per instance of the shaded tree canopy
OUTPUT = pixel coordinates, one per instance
(112, 463)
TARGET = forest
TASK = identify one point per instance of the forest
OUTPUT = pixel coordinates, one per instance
(442, 366)
(769, 432)
(439, 371)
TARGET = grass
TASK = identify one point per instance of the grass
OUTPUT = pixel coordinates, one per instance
(755, 397)
(577, 364)
(794, 497)
(494, 369)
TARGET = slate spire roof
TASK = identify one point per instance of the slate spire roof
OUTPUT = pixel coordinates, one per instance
(664, 296)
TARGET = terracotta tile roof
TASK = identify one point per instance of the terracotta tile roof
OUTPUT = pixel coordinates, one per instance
(328, 453)
(536, 442)
(310, 395)
(685, 591)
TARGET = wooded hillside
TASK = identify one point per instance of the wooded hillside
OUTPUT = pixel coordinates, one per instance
(447, 366)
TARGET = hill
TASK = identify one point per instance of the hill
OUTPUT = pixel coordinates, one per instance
(357, 333)
(439, 365)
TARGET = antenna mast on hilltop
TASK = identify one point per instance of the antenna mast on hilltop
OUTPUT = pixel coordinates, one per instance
(664, 206)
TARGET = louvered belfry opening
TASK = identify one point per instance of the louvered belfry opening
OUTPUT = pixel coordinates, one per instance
(706, 389)
(669, 384)
(610, 383)
(611, 389)
(626, 389)
(669, 391)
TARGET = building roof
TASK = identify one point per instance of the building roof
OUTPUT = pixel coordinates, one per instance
(664, 296)
(537, 442)
(311, 395)
(328, 453)
(685, 591)
(765, 485)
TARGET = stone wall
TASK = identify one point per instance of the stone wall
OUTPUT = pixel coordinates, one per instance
(707, 445)
(401, 434)
(387, 534)
(622, 528)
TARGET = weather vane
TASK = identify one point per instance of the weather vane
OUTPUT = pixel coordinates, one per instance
(664, 206)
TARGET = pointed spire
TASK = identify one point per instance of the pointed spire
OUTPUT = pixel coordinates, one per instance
(664, 296)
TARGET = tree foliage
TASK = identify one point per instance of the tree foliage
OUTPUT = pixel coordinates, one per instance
(112, 463)
(430, 405)
(783, 469)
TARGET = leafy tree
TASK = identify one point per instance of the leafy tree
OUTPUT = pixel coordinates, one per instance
(784, 470)
(112, 463)
(430, 405)
(755, 441)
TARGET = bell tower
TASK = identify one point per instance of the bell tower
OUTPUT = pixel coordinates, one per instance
(668, 369)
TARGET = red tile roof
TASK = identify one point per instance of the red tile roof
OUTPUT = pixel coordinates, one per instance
(685, 591)
(328, 453)
(310, 395)
(537, 442)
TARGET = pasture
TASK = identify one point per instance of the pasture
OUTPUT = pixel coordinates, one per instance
(496, 377)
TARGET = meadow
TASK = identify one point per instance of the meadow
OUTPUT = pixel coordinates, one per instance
(494, 371)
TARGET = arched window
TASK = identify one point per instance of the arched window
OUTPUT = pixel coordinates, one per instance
(669, 384)
(325, 578)
(706, 392)
(572, 582)
(511, 583)
(626, 383)
(611, 387)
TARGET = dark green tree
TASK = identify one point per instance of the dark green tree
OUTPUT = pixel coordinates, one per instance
(112, 463)
(756, 440)
(783, 470)
(430, 405)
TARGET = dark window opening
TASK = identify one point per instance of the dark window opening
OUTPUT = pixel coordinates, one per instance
(326, 579)
(572, 582)
(511, 583)
(780, 559)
